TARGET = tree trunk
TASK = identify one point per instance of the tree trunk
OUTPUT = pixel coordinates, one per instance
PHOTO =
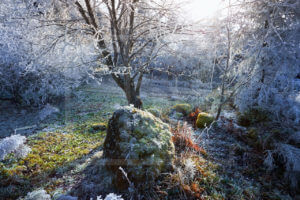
(123, 81)
(132, 94)
(222, 100)
(219, 111)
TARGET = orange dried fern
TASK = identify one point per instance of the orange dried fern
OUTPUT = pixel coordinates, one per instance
(192, 117)
(183, 141)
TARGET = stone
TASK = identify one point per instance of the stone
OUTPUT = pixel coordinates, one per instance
(141, 144)
(204, 120)
(185, 108)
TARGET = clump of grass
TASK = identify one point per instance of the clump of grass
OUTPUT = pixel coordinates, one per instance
(194, 177)
(183, 139)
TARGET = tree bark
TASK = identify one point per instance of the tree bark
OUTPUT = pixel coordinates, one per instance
(132, 94)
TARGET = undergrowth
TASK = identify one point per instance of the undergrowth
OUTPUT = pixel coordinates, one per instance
(51, 155)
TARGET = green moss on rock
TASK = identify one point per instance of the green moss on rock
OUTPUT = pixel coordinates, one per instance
(140, 143)
(204, 119)
(185, 109)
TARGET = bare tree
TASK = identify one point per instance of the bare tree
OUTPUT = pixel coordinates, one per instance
(129, 35)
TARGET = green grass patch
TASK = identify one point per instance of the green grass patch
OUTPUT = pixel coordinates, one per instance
(50, 152)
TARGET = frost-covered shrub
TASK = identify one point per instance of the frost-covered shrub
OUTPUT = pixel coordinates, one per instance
(13, 144)
(288, 156)
(275, 64)
(22, 151)
(278, 96)
(34, 87)
(38, 195)
(37, 64)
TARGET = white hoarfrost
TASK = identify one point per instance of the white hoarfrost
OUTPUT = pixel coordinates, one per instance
(190, 168)
(291, 156)
(111, 196)
(13, 144)
(38, 195)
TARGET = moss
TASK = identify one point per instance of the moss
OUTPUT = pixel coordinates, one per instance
(142, 142)
(204, 119)
(50, 152)
(185, 109)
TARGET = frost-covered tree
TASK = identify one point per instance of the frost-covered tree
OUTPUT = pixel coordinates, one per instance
(224, 49)
(126, 36)
(255, 53)
(32, 71)
(274, 86)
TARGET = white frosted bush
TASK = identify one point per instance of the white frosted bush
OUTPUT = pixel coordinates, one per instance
(22, 151)
(38, 195)
(278, 94)
(33, 72)
(13, 144)
(291, 157)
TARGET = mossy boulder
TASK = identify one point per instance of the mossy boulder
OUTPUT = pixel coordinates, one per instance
(141, 144)
(204, 119)
(184, 108)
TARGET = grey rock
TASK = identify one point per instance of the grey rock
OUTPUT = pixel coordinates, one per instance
(140, 143)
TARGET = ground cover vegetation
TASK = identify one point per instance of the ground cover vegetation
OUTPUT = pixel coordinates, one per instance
(139, 99)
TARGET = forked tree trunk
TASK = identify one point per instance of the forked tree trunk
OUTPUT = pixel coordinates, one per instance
(132, 92)
(123, 81)
(133, 98)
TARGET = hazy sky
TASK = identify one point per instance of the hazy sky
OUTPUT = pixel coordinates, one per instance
(198, 9)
